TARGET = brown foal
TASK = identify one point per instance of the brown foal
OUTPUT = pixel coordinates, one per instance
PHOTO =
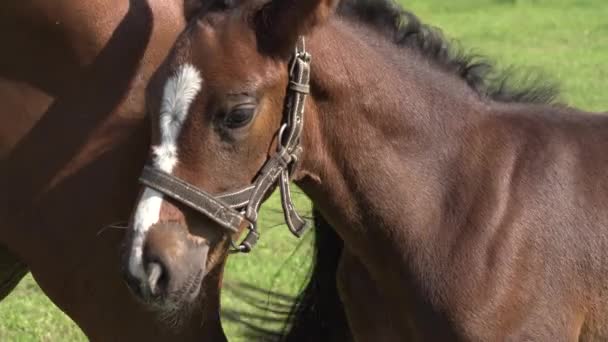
(468, 211)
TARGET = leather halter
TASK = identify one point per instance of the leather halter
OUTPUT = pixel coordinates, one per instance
(236, 209)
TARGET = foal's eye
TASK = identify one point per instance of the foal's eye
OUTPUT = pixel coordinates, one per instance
(239, 116)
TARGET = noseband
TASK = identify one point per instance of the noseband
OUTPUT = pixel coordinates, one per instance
(237, 209)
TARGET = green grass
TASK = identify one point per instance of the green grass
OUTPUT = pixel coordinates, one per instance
(28, 315)
(568, 39)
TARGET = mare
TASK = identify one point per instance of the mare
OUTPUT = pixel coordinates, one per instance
(73, 139)
(470, 209)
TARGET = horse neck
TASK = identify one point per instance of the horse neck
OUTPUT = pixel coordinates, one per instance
(378, 120)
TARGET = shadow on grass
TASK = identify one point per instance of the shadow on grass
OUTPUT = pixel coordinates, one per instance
(264, 313)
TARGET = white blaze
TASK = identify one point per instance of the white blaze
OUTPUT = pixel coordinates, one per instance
(178, 94)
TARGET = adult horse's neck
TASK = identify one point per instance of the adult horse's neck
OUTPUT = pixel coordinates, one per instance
(72, 134)
(384, 126)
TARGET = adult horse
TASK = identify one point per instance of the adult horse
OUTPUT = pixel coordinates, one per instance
(471, 210)
(73, 139)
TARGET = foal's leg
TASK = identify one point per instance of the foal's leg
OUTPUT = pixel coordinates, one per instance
(12, 270)
(365, 306)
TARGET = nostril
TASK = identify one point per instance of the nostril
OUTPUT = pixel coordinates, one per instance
(158, 278)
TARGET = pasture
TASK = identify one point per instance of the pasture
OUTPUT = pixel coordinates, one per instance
(566, 39)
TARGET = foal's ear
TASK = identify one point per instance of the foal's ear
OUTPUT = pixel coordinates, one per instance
(279, 23)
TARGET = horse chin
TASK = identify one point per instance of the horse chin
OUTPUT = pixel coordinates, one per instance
(177, 307)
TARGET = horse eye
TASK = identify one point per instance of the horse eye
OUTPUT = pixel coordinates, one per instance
(239, 117)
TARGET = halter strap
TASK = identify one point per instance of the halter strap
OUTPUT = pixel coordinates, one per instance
(221, 208)
(238, 209)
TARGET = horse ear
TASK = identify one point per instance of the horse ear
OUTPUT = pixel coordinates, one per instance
(279, 23)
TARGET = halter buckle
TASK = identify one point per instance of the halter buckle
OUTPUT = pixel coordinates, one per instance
(247, 244)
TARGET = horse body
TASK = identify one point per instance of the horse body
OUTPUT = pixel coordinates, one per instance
(501, 227)
(478, 219)
(72, 142)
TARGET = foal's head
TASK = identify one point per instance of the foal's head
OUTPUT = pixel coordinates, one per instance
(216, 111)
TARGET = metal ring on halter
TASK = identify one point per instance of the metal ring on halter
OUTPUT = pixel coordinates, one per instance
(280, 136)
(297, 54)
(234, 248)
(292, 65)
(241, 247)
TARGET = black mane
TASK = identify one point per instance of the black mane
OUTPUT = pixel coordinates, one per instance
(405, 30)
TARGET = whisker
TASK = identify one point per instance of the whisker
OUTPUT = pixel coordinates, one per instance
(120, 225)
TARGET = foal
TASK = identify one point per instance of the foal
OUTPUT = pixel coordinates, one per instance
(479, 213)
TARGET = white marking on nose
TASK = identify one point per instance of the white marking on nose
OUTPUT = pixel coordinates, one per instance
(178, 94)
